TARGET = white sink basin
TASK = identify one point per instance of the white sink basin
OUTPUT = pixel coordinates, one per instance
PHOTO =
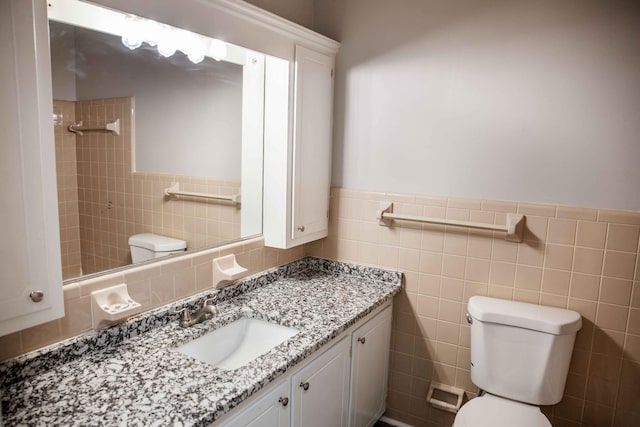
(237, 343)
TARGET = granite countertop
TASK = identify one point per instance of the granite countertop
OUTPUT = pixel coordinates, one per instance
(132, 375)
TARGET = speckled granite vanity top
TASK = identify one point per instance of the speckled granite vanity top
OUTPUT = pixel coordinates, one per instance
(131, 374)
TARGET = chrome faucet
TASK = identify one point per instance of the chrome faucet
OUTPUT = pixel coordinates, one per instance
(205, 313)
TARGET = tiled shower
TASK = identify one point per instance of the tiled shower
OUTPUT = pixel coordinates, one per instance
(103, 202)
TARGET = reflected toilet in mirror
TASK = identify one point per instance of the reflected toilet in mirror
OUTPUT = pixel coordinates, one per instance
(146, 246)
(186, 117)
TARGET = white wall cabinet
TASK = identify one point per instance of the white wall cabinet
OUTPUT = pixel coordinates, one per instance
(296, 207)
(370, 370)
(30, 267)
(311, 178)
(345, 385)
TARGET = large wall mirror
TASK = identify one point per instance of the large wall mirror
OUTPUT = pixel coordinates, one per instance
(142, 113)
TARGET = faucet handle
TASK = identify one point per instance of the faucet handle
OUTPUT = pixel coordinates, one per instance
(184, 314)
(210, 310)
(206, 301)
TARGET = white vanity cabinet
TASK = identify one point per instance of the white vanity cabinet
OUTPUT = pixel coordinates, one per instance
(271, 410)
(30, 268)
(296, 208)
(320, 389)
(345, 385)
(370, 370)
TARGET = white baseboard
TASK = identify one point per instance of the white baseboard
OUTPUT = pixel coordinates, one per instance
(395, 423)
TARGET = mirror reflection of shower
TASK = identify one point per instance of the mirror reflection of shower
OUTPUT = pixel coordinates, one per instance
(180, 122)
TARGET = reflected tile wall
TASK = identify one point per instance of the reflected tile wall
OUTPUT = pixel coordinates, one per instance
(115, 203)
(67, 185)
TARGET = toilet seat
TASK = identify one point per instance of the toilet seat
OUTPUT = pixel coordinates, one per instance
(493, 411)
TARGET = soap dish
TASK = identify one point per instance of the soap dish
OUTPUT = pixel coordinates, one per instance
(112, 305)
(226, 269)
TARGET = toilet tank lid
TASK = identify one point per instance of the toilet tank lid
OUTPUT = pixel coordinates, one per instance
(556, 321)
(156, 242)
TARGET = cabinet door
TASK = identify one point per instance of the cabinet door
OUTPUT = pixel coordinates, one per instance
(320, 390)
(30, 258)
(369, 369)
(312, 144)
(272, 410)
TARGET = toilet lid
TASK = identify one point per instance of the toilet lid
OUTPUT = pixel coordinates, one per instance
(156, 242)
(493, 411)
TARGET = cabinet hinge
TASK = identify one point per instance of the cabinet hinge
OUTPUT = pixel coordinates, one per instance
(332, 72)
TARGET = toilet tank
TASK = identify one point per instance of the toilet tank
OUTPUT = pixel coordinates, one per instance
(521, 351)
(146, 246)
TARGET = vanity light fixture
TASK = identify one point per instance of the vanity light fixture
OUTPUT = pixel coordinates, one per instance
(168, 40)
(135, 30)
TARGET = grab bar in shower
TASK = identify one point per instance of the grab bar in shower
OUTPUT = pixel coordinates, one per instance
(113, 127)
(513, 229)
(174, 190)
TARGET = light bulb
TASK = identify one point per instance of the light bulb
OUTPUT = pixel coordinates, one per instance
(164, 36)
(217, 50)
(132, 34)
(166, 49)
(131, 42)
(193, 45)
(195, 57)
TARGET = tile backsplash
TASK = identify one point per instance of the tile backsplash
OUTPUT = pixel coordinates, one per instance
(582, 259)
(152, 285)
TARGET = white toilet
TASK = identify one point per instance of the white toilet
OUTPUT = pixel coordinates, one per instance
(146, 246)
(520, 356)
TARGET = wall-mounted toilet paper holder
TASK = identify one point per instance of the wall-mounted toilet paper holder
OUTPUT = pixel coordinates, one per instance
(445, 397)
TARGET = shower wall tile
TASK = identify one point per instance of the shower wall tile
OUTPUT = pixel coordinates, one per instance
(114, 202)
(578, 258)
(67, 185)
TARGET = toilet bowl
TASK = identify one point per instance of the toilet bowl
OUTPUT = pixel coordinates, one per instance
(494, 411)
(146, 246)
(520, 355)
